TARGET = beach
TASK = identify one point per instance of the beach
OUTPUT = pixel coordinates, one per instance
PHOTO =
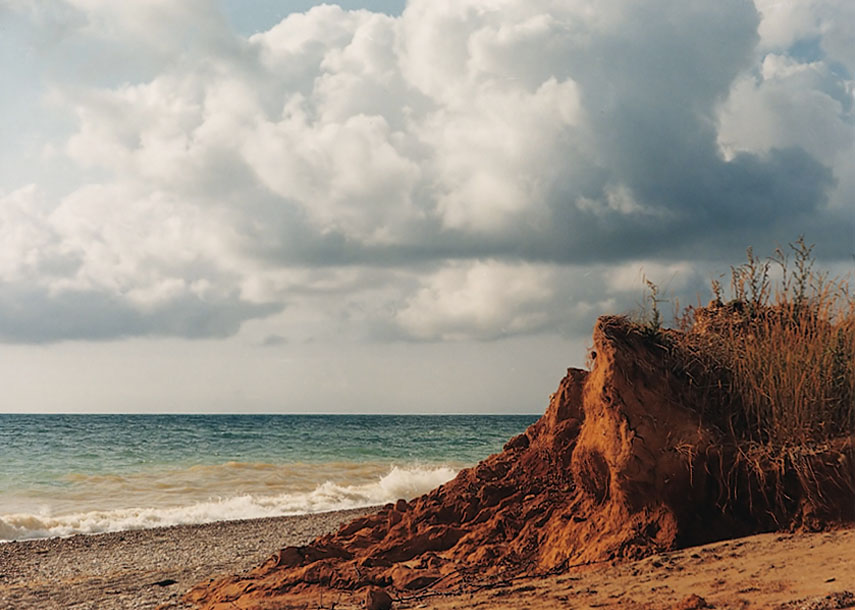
(155, 567)
(774, 571)
(145, 568)
(131, 511)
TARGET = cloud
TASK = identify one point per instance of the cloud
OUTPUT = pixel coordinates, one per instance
(485, 300)
(29, 315)
(466, 156)
(108, 263)
(274, 341)
(490, 299)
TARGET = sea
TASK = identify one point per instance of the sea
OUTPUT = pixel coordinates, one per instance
(62, 475)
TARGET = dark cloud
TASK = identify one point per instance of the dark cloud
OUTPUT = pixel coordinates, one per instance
(33, 316)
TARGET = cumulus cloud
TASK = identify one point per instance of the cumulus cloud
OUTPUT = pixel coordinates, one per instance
(800, 93)
(469, 156)
(480, 299)
(109, 263)
(491, 299)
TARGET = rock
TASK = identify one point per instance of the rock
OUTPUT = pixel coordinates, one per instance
(518, 442)
(288, 557)
(166, 582)
(408, 579)
(692, 602)
(832, 601)
(377, 599)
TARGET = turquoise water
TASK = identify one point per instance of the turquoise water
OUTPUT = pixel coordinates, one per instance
(66, 474)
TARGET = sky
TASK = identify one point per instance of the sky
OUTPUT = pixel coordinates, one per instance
(390, 206)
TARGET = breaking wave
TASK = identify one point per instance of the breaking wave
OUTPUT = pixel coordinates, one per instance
(397, 482)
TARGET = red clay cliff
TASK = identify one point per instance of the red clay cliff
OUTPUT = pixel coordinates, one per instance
(621, 465)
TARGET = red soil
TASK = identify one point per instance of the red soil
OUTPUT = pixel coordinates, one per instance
(619, 467)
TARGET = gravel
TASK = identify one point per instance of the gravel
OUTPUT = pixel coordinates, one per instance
(146, 568)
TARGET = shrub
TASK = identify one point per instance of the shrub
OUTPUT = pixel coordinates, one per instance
(776, 362)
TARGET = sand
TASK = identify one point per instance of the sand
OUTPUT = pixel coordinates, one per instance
(146, 568)
(801, 571)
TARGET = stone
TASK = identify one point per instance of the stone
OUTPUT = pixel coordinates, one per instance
(377, 599)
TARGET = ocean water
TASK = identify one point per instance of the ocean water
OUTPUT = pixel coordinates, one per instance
(68, 474)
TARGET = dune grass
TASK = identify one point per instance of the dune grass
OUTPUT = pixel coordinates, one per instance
(773, 355)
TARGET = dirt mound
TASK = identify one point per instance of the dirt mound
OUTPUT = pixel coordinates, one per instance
(620, 466)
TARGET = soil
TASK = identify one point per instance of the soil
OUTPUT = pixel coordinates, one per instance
(794, 571)
(622, 466)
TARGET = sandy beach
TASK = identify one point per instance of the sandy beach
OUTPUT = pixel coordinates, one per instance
(145, 568)
(776, 571)
(151, 568)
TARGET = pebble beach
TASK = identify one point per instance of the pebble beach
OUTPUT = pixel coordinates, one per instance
(153, 568)
(145, 568)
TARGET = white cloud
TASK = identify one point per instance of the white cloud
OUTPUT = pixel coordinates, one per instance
(670, 278)
(789, 104)
(826, 21)
(110, 262)
(489, 299)
(801, 92)
(346, 177)
(494, 159)
(162, 27)
(27, 242)
(327, 162)
(142, 245)
(482, 299)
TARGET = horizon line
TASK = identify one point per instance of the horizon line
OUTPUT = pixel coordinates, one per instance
(419, 414)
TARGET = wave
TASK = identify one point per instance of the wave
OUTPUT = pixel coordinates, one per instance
(396, 483)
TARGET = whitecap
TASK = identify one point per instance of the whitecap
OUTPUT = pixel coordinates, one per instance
(398, 482)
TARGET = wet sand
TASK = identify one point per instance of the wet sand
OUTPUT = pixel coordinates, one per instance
(145, 568)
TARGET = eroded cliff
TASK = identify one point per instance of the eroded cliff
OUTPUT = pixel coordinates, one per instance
(621, 465)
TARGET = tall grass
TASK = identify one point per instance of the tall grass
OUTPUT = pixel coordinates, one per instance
(775, 354)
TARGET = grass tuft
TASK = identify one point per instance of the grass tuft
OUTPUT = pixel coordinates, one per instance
(776, 360)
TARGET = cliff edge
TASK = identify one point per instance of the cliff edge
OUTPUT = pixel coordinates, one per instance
(622, 464)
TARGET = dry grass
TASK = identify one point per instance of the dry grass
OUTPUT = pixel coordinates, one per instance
(775, 361)
(770, 364)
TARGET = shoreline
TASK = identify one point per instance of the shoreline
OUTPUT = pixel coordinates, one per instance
(147, 568)
(154, 568)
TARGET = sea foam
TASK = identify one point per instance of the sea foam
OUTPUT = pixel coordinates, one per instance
(398, 482)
